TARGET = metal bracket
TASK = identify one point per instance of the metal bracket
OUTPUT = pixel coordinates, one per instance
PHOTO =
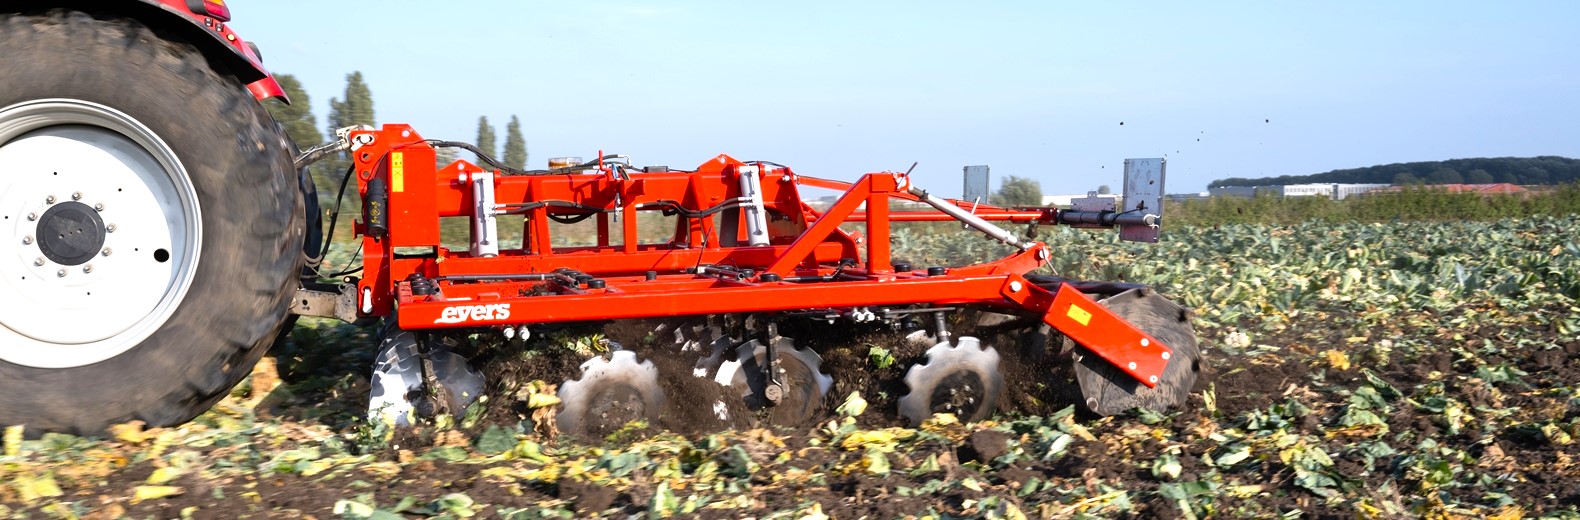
(326, 304)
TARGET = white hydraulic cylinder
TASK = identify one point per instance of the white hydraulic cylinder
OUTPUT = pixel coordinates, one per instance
(756, 216)
(485, 224)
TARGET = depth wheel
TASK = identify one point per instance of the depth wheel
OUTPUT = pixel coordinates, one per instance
(150, 226)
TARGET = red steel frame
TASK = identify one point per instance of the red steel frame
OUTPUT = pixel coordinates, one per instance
(657, 280)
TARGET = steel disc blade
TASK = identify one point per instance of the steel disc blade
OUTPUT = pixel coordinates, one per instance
(1106, 390)
(962, 379)
(800, 370)
(397, 379)
(610, 393)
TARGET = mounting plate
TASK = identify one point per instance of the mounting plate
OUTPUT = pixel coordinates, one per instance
(1143, 196)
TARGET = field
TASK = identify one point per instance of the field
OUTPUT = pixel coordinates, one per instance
(1408, 369)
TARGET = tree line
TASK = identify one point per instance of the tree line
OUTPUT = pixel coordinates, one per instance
(355, 107)
(1485, 170)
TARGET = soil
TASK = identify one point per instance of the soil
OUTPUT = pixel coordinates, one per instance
(1036, 386)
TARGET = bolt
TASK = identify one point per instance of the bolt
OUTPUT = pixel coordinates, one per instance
(49, 200)
(1153, 379)
(107, 253)
(1015, 286)
(32, 216)
(61, 273)
(98, 207)
(110, 228)
(39, 261)
(87, 269)
(76, 195)
(27, 240)
(1132, 365)
(1165, 356)
(1144, 342)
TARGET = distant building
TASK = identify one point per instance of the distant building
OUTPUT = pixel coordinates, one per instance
(1063, 201)
(1501, 188)
(1329, 190)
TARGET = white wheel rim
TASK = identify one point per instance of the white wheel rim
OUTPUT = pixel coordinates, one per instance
(61, 314)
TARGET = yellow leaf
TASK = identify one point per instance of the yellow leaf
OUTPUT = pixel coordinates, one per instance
(1359, 431)
(1509, 512)
(1244, 491)
(141, 493)
(940, 421)
(163, 475)
(884, 438)
(1338, 360)
(814, 513)
(853, 406)
(318, 466)
(536, 401)
(34, 488)
(13, 440)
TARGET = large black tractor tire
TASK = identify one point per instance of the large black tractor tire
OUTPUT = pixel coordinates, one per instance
(223, 181)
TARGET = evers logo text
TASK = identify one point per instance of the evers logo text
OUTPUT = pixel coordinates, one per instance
(458, 314)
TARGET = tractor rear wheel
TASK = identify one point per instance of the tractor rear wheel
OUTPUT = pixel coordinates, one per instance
(150, 226)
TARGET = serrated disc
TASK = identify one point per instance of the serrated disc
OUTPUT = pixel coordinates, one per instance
(397, 378)
(806, 385)
(610, 393)
(962, 379)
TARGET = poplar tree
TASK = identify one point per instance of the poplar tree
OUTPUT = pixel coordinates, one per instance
(515, 145)
(356, 109)
(485, 140)
(300, 124)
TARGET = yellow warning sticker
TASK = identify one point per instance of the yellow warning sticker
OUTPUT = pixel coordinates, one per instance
(398, 172)
(1081, 316)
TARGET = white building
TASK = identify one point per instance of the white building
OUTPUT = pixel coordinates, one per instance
(1063, 201)
(1330, 190)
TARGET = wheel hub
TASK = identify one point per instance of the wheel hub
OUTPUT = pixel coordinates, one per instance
(70, 233)
(99, 233)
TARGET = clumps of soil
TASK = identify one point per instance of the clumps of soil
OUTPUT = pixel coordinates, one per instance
(868, 359)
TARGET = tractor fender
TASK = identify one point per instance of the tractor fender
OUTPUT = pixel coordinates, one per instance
(225, 50)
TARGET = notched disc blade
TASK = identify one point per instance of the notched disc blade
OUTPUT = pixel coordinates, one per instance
(610, 393)
(963, 379)
(1106, 390)
(800, 370)
(397, 379)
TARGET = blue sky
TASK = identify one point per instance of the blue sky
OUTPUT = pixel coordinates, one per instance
(1033, 89)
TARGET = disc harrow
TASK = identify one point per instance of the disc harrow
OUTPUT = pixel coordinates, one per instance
(747, 250)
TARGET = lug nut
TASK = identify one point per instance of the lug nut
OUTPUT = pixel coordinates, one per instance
(107, 253)
(27, 240)
(76, 195)
(98, 207)
(61, 273)
(110, 228)
(32, 216)
(49, 200)
(39, 261)
(87, 269)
